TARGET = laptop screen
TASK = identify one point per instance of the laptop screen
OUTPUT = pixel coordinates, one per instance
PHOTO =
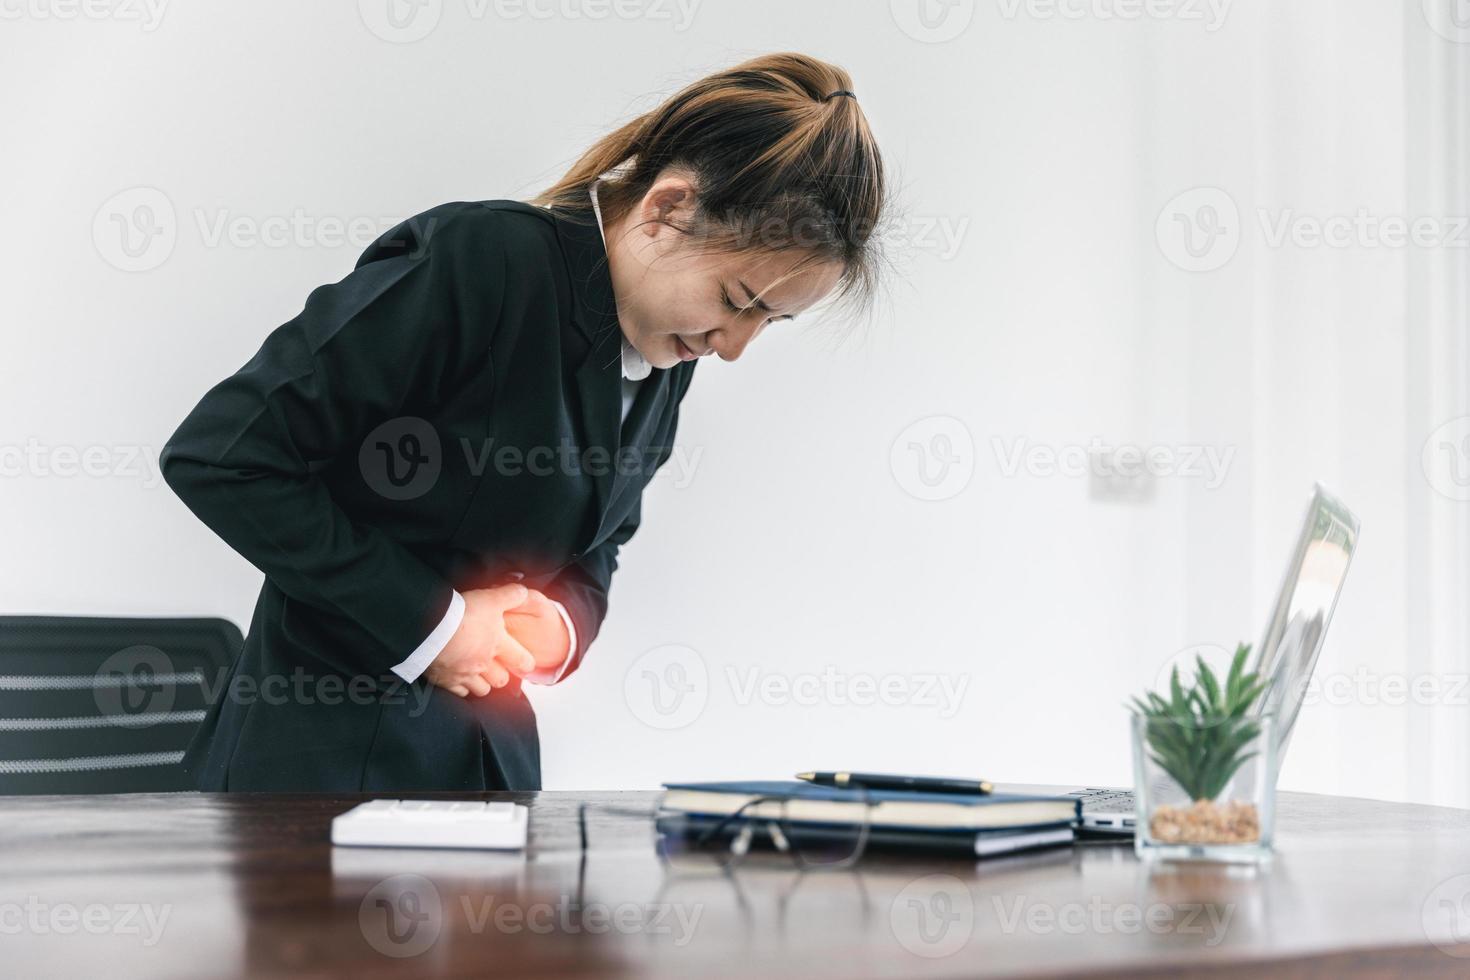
(1293, 638)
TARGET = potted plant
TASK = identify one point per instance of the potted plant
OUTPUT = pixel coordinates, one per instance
(1204, 767)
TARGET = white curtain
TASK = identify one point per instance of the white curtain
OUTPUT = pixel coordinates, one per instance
(1438, 362)
(1318, 345)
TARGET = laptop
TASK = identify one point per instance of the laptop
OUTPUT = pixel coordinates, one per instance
(1286, 654)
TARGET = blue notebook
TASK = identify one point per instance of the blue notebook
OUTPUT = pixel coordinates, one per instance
(890, 809)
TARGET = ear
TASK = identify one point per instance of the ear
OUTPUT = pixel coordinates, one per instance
(670, 197)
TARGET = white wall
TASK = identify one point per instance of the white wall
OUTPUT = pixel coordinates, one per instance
(1035, 152)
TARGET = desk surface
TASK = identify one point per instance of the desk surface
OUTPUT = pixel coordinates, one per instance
(244, 884)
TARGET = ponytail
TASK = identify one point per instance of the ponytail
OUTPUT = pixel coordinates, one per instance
(781, 158)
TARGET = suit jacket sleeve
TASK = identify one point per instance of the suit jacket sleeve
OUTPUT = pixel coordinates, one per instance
(414, 318)
(583, 586)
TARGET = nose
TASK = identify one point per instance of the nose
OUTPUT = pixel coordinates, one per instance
(729, 342)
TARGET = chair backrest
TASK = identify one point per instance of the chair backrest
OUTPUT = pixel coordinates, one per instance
(91, 704)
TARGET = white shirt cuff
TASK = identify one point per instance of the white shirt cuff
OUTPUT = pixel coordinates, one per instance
(419, 660)
(546, 675)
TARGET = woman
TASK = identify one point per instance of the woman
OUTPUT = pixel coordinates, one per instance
(436, 461)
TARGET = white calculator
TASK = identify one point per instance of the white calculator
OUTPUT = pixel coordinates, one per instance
(432, 823)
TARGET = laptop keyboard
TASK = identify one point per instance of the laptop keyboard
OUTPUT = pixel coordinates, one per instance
(1105, 800)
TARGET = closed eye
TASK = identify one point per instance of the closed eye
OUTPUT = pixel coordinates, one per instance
(730, 304)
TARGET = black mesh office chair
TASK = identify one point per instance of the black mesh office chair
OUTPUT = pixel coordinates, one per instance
(105, 705)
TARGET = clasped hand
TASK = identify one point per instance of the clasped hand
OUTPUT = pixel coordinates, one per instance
(509, 630)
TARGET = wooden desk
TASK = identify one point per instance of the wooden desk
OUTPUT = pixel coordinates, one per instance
(190, 885)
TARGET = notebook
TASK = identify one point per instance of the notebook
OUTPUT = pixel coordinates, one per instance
(890, 810)
(982, 843)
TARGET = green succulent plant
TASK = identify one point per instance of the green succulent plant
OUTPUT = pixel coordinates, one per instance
(1199, 735)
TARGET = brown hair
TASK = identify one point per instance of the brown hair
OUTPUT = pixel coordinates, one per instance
(777, 161)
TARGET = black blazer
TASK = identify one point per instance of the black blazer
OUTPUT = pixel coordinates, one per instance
(445, 417)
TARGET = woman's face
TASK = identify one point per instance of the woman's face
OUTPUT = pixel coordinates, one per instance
(675, 303)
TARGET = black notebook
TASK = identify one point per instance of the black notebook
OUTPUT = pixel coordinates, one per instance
(890, 809)
(982, 843)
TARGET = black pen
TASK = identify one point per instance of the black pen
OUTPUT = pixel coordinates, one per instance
(916, 784)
